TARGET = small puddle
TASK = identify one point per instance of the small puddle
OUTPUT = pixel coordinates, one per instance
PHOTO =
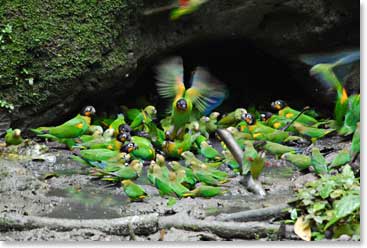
(87, 204)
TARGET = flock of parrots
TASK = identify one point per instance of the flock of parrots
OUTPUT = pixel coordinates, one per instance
(177, 152)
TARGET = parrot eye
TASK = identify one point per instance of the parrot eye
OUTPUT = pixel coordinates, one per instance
(249, 118)
(124, 128)
(263, 117)
(181, 104)
(88, 111)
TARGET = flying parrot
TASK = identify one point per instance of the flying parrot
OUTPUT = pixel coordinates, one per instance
(204, 95)
(186, 7)
(13, 137)
(331, 70)
(72, 128)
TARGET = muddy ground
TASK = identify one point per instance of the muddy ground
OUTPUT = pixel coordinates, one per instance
(45, 182)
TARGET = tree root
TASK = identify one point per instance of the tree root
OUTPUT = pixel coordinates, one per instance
(149, 224)
(227, 230)
(140, 225)
(254, 214)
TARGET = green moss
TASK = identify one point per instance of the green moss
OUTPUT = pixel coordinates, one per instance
(53, 41)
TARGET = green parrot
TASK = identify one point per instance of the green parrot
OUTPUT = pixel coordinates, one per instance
(185, 174)
(176, 186)
(105, 155)
(186, 7)
(275, 121)
(130, 113)
(299, 160)
(162, 183)
(174, 149)
(202, 172)
(120, 120)
(343, 157)
(275, 148)
(144, 118)
(232, 119)
(133, 191)
(289, 113)
(204, 94)
(116, 172)
(105, 141)
(356, 141)
(331, 74)
(13, 137)
(71, 129)
(260, 131)
(318, 161)
(230, 161)
(312, 132)
(94, 129)
(352, 117)
(205, 191)
(249, 155)
(212, 124)
(240, 136)
(144, 150)
(161, 162)
(206, 149)
(257, 165)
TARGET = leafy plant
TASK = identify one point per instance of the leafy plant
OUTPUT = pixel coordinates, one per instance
(6, 105)
(330, 206)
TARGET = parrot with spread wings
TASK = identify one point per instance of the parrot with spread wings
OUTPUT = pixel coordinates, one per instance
(203, 96)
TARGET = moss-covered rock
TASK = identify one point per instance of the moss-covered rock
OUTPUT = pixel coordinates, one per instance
(55, 53)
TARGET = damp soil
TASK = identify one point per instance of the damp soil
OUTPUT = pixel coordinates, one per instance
(44, 181)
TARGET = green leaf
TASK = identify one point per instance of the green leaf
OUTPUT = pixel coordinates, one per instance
(345, 206)
(294, 215)
(326, 189)
(318, 161)
(348, 172)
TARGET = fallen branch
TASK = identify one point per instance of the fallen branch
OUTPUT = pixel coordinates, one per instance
(254, 214)
(252, 185)
(140, 225)
(228, 230)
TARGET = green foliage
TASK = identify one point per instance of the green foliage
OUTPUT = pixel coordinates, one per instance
(331, 203)
(6, 105)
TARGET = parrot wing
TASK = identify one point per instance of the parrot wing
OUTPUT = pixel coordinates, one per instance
(170, 78)
(206, 92)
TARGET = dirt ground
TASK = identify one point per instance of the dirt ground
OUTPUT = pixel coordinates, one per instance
(43, 181)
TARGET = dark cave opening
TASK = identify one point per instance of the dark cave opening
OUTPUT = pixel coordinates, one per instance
(253, 78)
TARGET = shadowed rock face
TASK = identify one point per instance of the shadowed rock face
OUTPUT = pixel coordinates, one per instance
(276, 30)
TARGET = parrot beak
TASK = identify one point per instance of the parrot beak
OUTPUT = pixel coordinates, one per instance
(274, 106)
(17, 132)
